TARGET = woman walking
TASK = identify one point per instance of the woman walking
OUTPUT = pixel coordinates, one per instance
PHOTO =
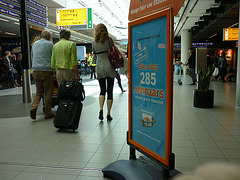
(105, 72)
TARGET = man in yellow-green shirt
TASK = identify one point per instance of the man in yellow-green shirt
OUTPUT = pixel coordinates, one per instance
(64, 58)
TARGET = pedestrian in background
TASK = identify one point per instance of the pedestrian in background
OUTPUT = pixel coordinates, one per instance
(105, 71)
(216, 73)
(64, 58)
(119, 81)
(7, 69)
(19, 69)
(92, 66)
(43, 74)
(191, 62)
(13, 61)
(85, 62)
(122, 70)
(222, 65)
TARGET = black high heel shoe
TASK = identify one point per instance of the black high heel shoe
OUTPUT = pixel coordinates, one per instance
(109, 117)
(100, 115)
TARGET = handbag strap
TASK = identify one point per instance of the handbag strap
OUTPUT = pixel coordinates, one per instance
(100, 52)
(109, 45)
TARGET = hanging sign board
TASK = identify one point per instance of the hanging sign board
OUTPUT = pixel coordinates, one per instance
(139, 8)
(150, 88)
(230, 34)
(80, 18)
(36, 13)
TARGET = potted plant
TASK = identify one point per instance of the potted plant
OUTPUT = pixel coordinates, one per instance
(203, 96)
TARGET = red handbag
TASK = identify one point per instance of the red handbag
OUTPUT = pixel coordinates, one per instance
(114, 56)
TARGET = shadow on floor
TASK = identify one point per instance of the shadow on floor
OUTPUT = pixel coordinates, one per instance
(16, 108)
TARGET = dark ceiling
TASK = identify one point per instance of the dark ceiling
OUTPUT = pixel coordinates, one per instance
(210, 27)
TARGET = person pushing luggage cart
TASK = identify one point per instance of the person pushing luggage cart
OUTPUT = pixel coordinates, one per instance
(54, 95)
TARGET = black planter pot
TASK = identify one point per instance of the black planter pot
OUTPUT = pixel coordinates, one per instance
(203, 99)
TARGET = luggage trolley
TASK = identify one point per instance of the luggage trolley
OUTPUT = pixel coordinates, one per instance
(179, 68)
(54, 96)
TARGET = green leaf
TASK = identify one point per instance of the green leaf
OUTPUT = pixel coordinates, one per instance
(204, 78)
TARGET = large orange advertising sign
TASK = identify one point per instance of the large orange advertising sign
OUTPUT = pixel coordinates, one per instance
(150, 86)
(150, 47)
(139, 8)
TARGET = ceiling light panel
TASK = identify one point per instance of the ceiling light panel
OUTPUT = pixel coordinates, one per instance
(115, 12)
(4, 20)
(10, 33)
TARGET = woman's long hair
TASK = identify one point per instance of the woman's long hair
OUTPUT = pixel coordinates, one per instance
(19, 57)
(100, 33)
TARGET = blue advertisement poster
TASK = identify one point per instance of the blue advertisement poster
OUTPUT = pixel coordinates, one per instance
(81, 53)
(149, 64)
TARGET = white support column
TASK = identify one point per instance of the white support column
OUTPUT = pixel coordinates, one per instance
(186, 43)
(238, 69)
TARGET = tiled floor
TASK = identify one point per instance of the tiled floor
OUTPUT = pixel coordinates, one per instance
(36, 150)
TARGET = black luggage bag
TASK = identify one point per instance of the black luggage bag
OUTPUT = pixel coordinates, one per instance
(68, 114)
(72, 90)
(70, 95)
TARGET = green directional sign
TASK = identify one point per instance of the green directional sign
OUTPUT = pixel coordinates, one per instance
(90, 24)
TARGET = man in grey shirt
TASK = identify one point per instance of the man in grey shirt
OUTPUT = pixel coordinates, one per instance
(43, 75)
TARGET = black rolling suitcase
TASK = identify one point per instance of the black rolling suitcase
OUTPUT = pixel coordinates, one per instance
(70, 105)
(68, 114)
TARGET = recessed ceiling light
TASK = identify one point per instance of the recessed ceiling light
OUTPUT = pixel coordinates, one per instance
(10, 33)
(233, 25)
(16, 23)
(212, 36)
(4, 20)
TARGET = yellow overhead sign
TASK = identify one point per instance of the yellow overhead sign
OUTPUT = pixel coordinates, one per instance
(65, 17)
(230, 34)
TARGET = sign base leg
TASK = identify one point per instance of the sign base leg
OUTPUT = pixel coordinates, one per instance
(141, 169)
(132, 154)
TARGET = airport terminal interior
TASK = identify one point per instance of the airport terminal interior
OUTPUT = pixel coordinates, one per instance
(36, 150)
